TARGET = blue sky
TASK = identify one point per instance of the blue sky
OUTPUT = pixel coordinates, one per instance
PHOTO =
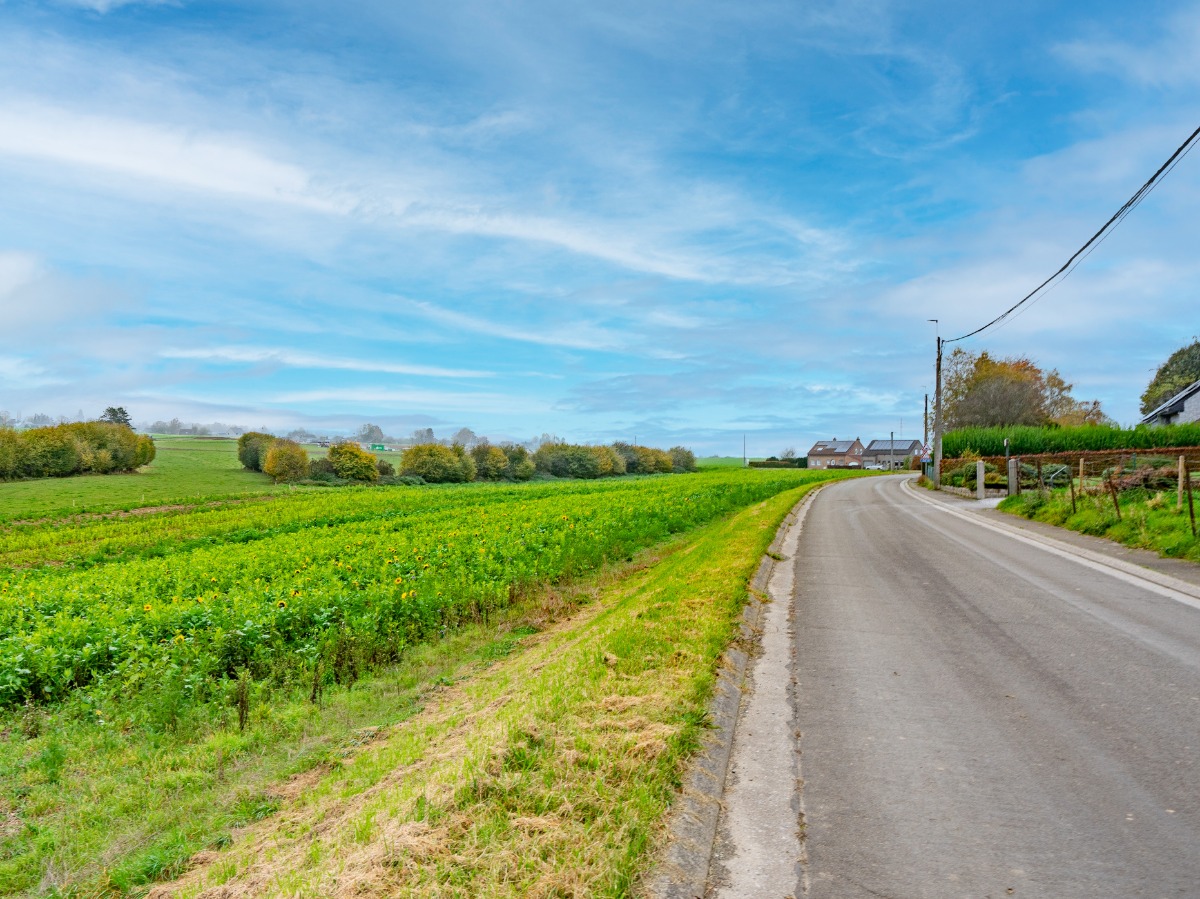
(680, 221)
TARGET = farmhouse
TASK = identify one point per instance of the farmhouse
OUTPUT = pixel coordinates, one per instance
(1181, 408)
(879, 454)
(836, 454)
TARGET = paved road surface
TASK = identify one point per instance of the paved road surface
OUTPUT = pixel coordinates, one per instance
(979, 717)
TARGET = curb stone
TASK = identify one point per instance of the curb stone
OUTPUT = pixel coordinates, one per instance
(683, 868)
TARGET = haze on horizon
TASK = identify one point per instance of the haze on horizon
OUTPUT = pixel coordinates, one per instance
(682, 221)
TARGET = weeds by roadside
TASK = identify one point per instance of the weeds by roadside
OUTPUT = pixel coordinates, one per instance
(1149, 518)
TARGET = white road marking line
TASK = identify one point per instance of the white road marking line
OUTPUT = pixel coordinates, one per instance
(1156, 582)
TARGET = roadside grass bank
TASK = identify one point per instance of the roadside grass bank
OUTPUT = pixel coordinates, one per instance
(547, 774)
(1149, 519)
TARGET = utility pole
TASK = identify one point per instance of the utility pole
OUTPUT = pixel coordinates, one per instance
(891, 448)
(744, 449)
(925, 442)
(937, 422)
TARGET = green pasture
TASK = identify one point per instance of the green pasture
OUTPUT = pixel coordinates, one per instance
(185, 470)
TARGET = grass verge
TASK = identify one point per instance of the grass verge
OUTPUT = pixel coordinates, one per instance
(548, 774)
(1149, 519)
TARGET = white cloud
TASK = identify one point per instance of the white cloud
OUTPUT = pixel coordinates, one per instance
(580, 336)
(186, 158)
(1168, 62)
(105, 6)
(16, 271)
(300, 359)
(435, 400)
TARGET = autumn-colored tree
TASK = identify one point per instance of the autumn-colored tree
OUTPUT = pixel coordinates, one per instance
(491, 462)
(352, 463)
(981, 391)
(285, 460)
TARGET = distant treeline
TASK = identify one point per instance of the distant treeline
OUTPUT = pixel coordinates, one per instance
(58, 451)
(436, 463)
(1032, 440)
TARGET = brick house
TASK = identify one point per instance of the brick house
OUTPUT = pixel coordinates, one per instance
(879, 452)
(836, 454)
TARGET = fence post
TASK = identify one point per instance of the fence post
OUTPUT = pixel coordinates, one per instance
(1182, 475)
(1191, 507)
(1081, 474)
(1071, 481)
(1112, 488)
(979, 476)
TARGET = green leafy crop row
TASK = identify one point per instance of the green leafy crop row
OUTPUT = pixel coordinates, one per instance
(331, 591)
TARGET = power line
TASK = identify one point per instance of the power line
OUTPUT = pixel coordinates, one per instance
(1097, 238)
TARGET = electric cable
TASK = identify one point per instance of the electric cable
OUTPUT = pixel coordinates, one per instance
(1097, 238)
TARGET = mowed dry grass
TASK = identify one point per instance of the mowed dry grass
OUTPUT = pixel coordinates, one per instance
(548, 774)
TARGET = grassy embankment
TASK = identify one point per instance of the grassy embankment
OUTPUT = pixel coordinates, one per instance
(99, 798)
(547, 774)
(1149, 519)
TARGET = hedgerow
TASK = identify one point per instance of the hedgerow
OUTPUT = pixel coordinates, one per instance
(89, 447)
(1031, 440)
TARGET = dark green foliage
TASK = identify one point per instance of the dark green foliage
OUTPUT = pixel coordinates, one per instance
(682, 459)
(437, 464)
(90, 447)
(520, 466)
(352, 463)
(252, 449)
(1178, 372)
(491, 462)
(116, 415)
(1032, 440)
(568, 460)
(322, 470)
(385, 468)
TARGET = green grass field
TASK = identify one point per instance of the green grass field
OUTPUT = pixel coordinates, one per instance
(185, 470)
(1149, 519)
(165, 674)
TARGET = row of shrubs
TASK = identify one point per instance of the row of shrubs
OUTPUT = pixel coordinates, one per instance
(434, 463)
(1027, 441)
(83, 447)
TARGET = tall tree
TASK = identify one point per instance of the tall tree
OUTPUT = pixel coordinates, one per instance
(981, 391)
(117, 415)
(1178, 372)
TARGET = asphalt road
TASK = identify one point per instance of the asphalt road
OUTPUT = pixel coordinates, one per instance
(978, 717)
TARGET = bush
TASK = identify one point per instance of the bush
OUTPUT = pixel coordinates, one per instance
(286, 460)
(252, 449)
(71, 449)
(682, 459)
(491, 462)
(322, 470)
(647, 460)
(353, 463)
(437, 464)
(567, 460)
(520, 467)
(385, 468)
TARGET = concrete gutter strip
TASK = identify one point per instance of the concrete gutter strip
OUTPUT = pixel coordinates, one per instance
(683, 868)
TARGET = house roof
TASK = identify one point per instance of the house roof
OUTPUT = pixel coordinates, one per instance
(897, 445)
(832, 447)
(1174, 404)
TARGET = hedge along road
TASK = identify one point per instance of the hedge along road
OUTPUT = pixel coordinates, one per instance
(980, 717)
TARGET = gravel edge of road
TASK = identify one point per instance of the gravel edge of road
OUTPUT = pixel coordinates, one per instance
(683, 869)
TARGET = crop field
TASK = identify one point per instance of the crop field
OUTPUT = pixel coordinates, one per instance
(134, 640)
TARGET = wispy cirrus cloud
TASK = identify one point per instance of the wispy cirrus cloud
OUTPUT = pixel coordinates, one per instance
(252, 355)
